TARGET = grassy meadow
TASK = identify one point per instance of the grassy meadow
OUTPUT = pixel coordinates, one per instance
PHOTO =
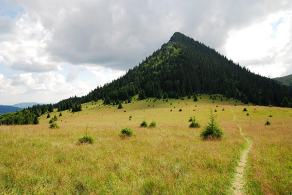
(168, 159)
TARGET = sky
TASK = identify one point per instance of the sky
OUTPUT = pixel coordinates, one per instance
(51, 50)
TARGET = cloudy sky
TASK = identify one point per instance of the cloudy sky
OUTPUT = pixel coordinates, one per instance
(50, 50)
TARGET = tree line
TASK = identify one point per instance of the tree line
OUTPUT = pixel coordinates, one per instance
(181, 67)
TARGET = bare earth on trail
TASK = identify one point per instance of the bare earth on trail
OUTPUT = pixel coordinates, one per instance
(238, 183)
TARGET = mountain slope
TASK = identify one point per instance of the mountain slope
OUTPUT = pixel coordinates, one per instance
(5, 109)
(183, 67)
(285, 80)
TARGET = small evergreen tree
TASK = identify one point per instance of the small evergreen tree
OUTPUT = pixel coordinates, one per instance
(212, 131)
(85, 140)
(120, 106)
(194, 123)
(144, 124)
(268, 123)
(54, 125)
(48, 116)
(152, 124)
(127, 132)
(195, 98)
(54, 119)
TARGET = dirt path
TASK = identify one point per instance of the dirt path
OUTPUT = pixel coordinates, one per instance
(237, 187)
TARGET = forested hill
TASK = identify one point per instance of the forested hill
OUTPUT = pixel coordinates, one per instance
(285, 80)
(181, 67)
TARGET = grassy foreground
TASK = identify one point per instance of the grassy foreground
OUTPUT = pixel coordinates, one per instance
(168, 159)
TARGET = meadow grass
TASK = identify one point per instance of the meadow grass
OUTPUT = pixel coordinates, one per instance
(269, 168)
(168, 159)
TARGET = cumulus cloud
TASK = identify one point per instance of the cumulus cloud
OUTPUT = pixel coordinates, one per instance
(39, 87)
(26, 46)
(56, 49)
(119, 34)
(264, 46)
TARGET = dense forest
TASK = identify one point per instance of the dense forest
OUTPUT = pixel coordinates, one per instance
(182, 67)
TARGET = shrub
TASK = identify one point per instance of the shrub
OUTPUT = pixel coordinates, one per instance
(54, 119)
(49, 116)
(244, 110)
(144, 124)
(247, 114)
(215, 110)
(54, 125)
(85, 140)
(223, 109)
(195, 98)
(212, 131)
(180, 110)
(193, 123)
(60, 114)
(268, 123)
(120, 106)
(152, 124)
(126, 132)
(270, 116)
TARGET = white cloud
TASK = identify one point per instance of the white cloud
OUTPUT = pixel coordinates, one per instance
(44, 87)
(103, 74)
(119, 34)
(264, 46)
(26, 46)
(56, 49)
(4, 84)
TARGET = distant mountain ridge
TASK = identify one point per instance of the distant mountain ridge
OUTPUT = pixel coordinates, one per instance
(6, 109)
(285, 80)
(16, 107)
(25, 104)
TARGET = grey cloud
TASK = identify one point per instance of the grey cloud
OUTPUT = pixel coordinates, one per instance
(119, 34)
(6, 26)
(33, 67)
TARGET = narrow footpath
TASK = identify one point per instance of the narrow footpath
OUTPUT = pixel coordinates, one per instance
(237, 187)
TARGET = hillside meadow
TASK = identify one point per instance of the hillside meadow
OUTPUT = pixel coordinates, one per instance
(168, 159)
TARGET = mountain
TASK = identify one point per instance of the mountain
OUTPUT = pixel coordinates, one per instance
(5, 109)
(181, 67)
(25, 104)
(285, 80)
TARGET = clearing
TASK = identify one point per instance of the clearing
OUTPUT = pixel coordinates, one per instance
(168, 159)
